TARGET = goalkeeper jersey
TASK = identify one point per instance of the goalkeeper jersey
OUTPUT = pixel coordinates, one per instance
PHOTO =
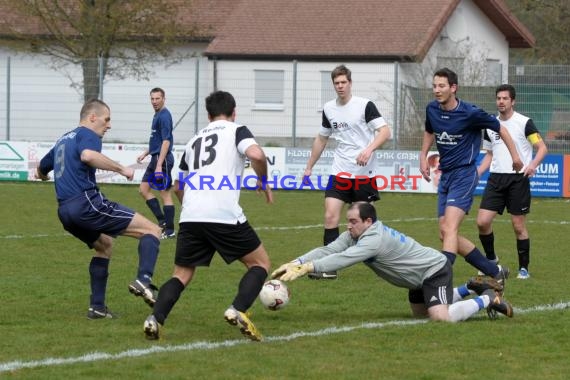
(393, 256)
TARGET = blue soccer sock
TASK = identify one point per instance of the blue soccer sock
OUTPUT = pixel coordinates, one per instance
(476, 259)
(148, 254)
(98, 272)
(154, 206)
(450, 256)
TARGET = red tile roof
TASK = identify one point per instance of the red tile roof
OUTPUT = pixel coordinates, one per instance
(402, 30)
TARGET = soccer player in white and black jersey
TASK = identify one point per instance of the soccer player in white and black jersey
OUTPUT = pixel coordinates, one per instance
(506, 188)
(211, 218)
(359, 129)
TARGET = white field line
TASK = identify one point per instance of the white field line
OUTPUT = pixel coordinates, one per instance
(197, 346)
(310, 226)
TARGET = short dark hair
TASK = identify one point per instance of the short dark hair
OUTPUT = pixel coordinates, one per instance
(509, 88)
(158, 89)
(92, 106)
(365, 210)
(341, 70)
(449, 74)
(220, 103)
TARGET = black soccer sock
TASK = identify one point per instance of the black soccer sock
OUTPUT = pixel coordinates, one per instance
(523, 250)
(99, 272)
(148, 254)
(154, 206)
(330, 235)
(169, 217)
(249, 287)
(488, 242)
(168, 295)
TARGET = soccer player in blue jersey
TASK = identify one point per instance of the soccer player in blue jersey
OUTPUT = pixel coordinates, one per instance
(158, 174)
(456, 126)
(88, 215)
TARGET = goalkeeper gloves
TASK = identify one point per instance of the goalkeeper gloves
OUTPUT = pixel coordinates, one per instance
(283, 268)
(296, 271)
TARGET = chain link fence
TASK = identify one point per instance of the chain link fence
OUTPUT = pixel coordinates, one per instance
(280, 101)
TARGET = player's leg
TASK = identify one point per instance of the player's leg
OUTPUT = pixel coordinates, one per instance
(240, 242)
(99, 274)
(518, 205)
(148, 234)
(166, 196)
(493, 202)
(145, 190)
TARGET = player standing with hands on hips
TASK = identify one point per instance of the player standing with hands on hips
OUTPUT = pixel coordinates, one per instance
(359, 130)
(456, 126)
(506, 187)
(88, 215)
(158, 174)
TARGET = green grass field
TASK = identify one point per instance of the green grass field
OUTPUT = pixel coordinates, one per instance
(357, 327)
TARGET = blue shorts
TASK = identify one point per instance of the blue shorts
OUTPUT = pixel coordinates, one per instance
(456, 188)
(89, 215)
(158, 183)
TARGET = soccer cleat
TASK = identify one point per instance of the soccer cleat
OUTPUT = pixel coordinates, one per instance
(503, 275)
(523, 274)
(167, 234)
(246, 326)
(152, 328)
(93, 313)
(497, 305)
(147, 292)
(480, 284)
(323, 275)
(496, 261)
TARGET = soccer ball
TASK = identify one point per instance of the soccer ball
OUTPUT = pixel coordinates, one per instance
(274, 295)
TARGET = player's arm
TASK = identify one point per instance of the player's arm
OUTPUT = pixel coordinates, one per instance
(382, 135)
(100, 161)
(427, 142)
(533, 136)
(178, 186)
(45, 166)
(164, 149)
(486, 161)
(317, 149)
(258, 161)
(510, 144)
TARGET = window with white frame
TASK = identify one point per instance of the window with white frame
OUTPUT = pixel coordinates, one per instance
(269, 89)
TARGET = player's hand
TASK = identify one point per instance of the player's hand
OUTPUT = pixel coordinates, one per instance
(517, 165)
(128, 173)
(41, 176)
(283, 268)
(266, 189)
(297, 271)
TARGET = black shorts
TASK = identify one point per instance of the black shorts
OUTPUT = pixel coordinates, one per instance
(349, 191)
(197, 242)
(155, 182)
(436, 290)
(507, 190)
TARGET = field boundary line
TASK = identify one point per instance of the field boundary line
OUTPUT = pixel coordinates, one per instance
(309, 226)
(133, 353)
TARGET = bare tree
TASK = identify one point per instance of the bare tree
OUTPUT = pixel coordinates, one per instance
(107, 38)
